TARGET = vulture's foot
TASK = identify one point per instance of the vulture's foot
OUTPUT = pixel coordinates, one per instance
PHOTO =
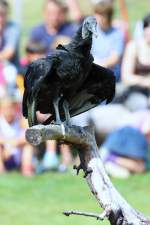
(67, 114)
(80, 167)
(87, 172)
(32, 120)
(57, 114)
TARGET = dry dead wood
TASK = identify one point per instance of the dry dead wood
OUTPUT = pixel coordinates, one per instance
(116, 209)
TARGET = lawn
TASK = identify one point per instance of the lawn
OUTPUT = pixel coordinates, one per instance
(42, 199)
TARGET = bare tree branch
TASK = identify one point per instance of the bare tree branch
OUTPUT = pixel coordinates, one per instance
(115, 207)
(97, 216)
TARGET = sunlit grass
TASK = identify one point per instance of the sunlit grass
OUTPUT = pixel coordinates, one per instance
(42, 199)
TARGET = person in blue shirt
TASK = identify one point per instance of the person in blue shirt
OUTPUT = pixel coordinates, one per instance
(54, 25)
(108, 46)
(9, 36)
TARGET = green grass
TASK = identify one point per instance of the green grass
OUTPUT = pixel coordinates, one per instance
(42, 199)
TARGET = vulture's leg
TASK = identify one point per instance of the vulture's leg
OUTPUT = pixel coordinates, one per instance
(56, 107)
(67, 114)
(32, 120)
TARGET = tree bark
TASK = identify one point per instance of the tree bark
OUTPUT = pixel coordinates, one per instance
(116, 208)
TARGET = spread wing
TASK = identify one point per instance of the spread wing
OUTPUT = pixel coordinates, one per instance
(99, 86)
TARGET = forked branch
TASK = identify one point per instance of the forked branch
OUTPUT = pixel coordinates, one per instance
(115, 207)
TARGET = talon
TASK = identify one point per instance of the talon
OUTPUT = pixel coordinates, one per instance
(78, 168)
(87, 172)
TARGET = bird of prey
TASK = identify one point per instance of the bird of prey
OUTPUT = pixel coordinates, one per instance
(67, 82)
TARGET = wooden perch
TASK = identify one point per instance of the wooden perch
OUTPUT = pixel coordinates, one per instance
(116, 208)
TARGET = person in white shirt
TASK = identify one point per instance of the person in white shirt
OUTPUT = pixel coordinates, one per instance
(15, 152)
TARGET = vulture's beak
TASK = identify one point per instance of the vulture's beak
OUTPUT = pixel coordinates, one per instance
(31, 113)
(89, 26)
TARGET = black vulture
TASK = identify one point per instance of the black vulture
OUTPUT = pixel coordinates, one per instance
(67, 82)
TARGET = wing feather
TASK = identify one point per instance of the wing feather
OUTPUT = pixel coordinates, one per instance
(99, 86)
(36, 73)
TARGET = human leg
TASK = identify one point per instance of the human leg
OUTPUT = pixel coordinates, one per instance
(2, 167)
(133, 165)
(26, 160)
(50, 160)
(66, 157)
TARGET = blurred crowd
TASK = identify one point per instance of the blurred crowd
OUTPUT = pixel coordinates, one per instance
(122, 127)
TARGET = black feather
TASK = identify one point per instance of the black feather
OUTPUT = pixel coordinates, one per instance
(71, 73)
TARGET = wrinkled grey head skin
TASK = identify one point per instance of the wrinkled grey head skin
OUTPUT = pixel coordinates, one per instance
(89, 26)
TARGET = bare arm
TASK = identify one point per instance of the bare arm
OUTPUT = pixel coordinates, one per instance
(116, 49)
(16, 141)
(7, 53)
(13, 142)
(123, 10)
(129, 76)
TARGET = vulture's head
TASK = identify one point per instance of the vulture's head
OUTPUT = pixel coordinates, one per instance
(89, 27)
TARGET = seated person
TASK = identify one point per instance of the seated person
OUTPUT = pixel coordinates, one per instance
(125, 151)
(54, 24)
(15, 152)
(9, 36)
(105, 52)
(136, 63)
(123, 21)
